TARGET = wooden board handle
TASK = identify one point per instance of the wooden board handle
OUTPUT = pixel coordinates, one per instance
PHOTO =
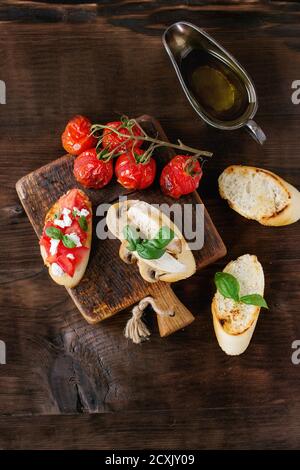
(166, 300)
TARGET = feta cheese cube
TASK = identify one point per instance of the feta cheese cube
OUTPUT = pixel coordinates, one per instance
(53, 246)
(75, 238)
(84, 212)
(59, 223)
(56, 269)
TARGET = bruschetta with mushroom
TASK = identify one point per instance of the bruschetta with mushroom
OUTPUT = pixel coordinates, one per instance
(66, 239)
(236, 304)
(150, 239)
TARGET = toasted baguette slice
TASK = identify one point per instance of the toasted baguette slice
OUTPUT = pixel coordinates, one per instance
(65, 279)
(148, 220)
(260, 195)
(234, 323)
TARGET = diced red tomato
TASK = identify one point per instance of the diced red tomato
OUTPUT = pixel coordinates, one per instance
(72, 199)
(66, 264)
(62, 253)
(45, 242)
(79, 253)
(75, 228)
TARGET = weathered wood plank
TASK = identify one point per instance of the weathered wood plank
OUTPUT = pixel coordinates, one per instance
(213, 428)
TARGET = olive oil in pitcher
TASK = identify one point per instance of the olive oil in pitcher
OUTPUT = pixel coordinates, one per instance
(217, 89)
(216, 85)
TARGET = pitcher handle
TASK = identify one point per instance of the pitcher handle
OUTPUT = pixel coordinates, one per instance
(256, 132)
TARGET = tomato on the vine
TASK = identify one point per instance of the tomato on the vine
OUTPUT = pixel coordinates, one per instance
(112, 141)
(91, 171)
(132, 172)
(77, 137)
(180, 176)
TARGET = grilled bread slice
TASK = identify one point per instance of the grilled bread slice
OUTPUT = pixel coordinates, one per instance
(62, 278)
(234, 322)
(260, 195)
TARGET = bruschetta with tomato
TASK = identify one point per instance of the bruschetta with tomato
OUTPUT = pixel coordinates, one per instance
(66, 239)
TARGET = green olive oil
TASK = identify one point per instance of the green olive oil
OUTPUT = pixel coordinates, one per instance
(215, 86)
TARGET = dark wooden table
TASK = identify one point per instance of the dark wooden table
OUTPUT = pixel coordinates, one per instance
(61, 387)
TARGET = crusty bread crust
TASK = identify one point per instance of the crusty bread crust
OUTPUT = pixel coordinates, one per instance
(233, 345)
(291, 212)
(288, 214)
(65, 279)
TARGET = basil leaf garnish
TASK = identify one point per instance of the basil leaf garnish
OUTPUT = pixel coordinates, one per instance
(227, 285)
(148, 249)
(68, 242)
(83, 223)
(254, 299)
(164, 236)
(132, 236)
(54, 232)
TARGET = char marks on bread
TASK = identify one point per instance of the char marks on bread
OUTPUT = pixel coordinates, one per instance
(260, 195)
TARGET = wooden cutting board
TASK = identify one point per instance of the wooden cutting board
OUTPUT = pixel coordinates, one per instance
(109, 285)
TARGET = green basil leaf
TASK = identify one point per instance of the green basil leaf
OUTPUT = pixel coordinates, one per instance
(148, 251)
(254, 299)
(132, 236)
(164, 236)
(56, 216)
(68, 242)
(227, 285)
(83, 223)
(54, 232)
(74, 213)
(131, 246)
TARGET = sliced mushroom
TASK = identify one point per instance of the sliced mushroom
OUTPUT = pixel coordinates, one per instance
(175, 246)
(148, 273)
(126, 255)
(120, 210)
(175, 264)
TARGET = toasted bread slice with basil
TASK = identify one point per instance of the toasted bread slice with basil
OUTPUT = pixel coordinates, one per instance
(234, 322)
(79, 255)
(176, 263)
(260, 195)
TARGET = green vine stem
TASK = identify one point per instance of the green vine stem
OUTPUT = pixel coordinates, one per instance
(155, 143)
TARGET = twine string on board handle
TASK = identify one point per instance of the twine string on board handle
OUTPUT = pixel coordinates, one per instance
(136, 329)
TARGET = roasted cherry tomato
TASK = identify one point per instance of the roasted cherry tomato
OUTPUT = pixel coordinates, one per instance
(76, 137)
(92, 172)
(180, 176)
(131, 173)
(111, 140)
